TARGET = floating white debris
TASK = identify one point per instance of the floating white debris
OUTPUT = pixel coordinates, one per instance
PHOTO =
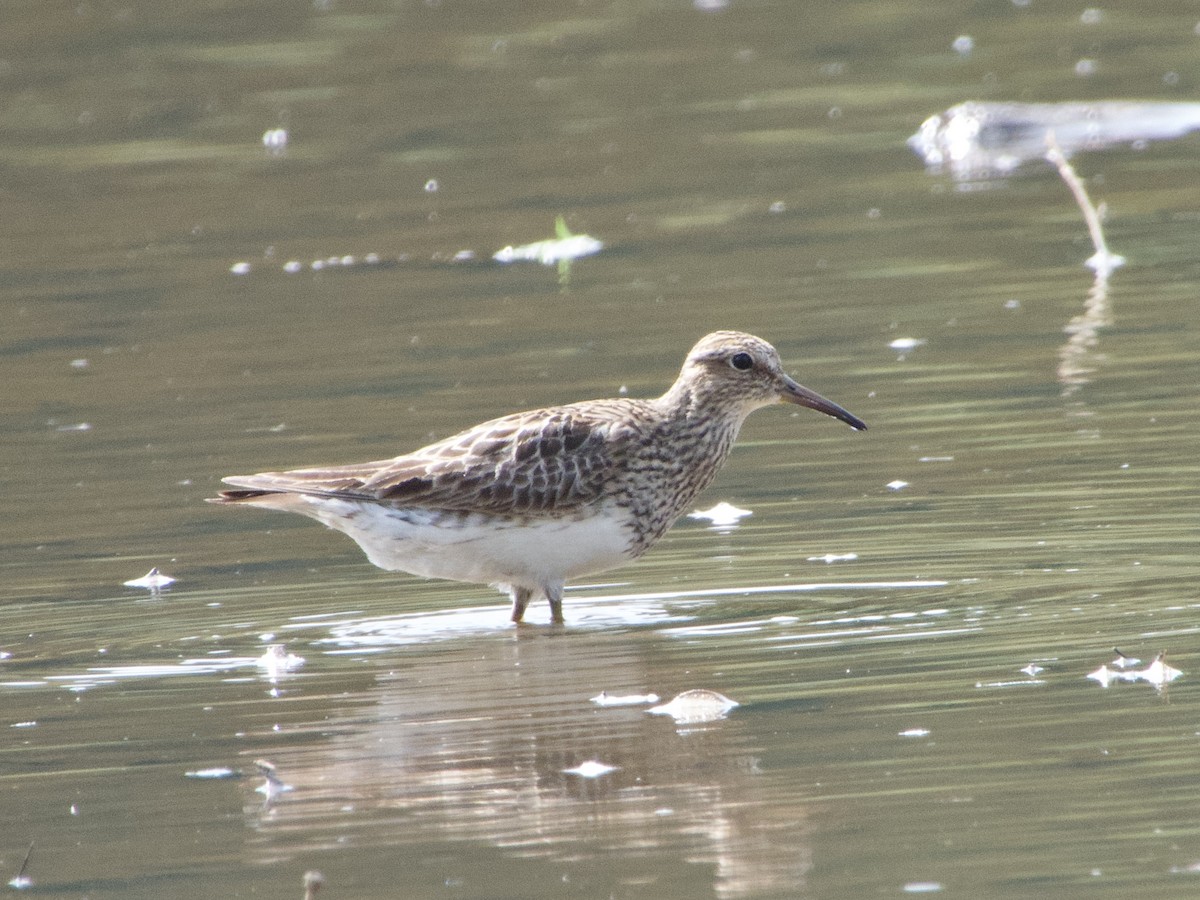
(963, 45)
(604, 698)
(32, 723)
(591, 769)
(1104, 676)
(215, 773)
(896, 485)
(906, 343)
(78, 426)
(833, 557)
(723, 515)
(695, 706)
(79, 364)
(153, 580)
(1124, 662)
(272, 783)
(431, 186)
(915, 733)
(1158, 673)
(463, 256)
(550, 252)
(562, 248)
(240, 268)
(1104, 262)
(922, 887)
(20, 882)
(275, 140)
(1032, 669)
(277, 661)
(292, 266)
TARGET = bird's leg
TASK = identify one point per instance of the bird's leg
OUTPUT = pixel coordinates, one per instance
(520, 599)
(554, 595)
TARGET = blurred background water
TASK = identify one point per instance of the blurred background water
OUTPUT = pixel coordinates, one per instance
(908, 617)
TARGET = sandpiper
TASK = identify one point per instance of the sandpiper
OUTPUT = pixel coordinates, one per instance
(531, 500)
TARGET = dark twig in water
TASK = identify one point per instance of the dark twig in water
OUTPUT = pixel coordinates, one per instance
(1103, 262)
(20, 879)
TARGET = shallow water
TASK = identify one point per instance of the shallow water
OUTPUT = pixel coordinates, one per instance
(745, 168)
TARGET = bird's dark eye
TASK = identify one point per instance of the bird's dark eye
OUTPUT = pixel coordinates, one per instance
(741, 361)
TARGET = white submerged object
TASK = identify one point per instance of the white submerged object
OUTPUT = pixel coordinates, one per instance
(980, 139)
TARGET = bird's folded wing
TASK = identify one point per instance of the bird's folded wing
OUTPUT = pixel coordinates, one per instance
(559, 460)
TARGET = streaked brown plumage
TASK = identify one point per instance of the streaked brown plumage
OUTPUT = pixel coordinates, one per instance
(533, 499)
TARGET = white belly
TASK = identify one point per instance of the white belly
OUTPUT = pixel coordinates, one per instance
(532, 553)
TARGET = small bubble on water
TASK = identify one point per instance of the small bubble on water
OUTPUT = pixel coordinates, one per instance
(275, 139)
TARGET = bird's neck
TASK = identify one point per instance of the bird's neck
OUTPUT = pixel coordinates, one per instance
(689, 403)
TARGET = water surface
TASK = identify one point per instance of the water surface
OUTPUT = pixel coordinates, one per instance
(745, 168)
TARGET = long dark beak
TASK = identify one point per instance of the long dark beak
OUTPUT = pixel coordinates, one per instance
(793, 392)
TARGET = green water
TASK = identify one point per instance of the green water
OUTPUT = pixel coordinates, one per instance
(746, 169)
